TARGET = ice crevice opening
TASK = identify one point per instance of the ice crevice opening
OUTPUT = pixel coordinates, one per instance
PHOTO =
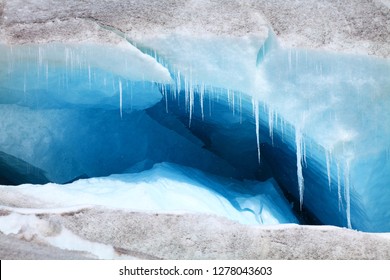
(235, 110)
(321, 101)
(82, 120)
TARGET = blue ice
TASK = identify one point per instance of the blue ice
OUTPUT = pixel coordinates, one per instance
(247, 109)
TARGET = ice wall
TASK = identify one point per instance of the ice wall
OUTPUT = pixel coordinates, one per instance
(79, 111)
(338, 107)
(319, 118)
(73, 111)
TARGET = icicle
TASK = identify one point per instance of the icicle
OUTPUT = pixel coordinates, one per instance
(192, 97)
(304, 152)
(211, 94)
(165, 93)
(40, 57)
(113, 84)
(47, 74)
(339, 186)
(71, 61)
(276, 125)
(282, 124)
(131, 97)
(24, 83)
(228, 98)
(186, 95)
(39, 63)
(298, 141)
(255, 106)
(202, 90)
(89, 76)
(233, 103)
(328, 155)
(347, 193)
(271, 124)
(120, 97)
(178, 85)
(240, 108)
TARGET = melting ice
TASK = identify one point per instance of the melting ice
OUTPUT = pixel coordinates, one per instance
(239, 108)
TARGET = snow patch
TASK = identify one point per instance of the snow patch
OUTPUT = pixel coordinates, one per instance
(30, 227)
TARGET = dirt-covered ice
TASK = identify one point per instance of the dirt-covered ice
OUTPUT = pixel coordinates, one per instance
(358, 26)
(138, 235)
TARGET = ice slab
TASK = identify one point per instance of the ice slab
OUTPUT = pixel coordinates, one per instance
(227, 62)
(89, 75)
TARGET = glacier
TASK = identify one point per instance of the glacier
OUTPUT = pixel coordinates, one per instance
(240, 108)
(168, 188)
(320, 118)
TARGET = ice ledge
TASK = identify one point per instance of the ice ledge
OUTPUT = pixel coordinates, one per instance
(358, 26)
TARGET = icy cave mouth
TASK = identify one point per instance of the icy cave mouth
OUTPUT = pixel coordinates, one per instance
(69, 120)
(272, 120)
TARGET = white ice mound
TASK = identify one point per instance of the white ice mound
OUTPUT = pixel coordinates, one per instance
(171, 189)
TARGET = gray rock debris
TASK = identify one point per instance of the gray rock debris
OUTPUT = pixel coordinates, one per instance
(198, 236)
(356, 26)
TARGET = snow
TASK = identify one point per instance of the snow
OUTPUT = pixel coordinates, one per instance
(168, 188)
(29, 227)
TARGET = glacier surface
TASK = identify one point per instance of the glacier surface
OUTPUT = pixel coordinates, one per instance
(237, 107)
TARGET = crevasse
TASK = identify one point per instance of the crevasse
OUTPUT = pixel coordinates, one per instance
(307, 118)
